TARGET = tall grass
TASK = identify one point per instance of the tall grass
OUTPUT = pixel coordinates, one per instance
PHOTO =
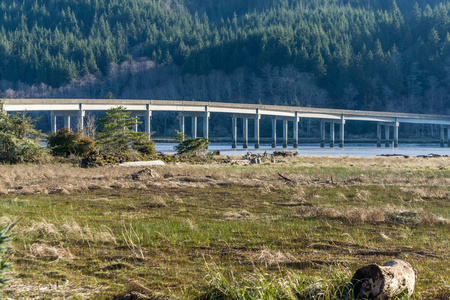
(225, 284)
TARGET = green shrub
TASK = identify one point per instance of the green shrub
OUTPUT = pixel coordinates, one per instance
(65, 142)
(19, 140)
(5, 266)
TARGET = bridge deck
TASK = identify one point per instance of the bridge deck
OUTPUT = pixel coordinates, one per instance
(69, 105)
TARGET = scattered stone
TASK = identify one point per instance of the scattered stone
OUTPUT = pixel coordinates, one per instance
(152, 163)
(240, 162)
(285, 153)
(395, 277)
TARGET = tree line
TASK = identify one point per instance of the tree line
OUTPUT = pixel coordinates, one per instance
(379, 55)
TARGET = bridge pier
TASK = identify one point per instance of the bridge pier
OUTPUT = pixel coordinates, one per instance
(341, 132)
(331, 134)
(274, 132)
(53, 122)
(67, 121)
(258, 117)
(206, 117)
(182, 124)
(296, 132)
(245, 132)
(285, 134)
(322, 134)
(234, 131)
(386, 135)
(194, 127)
(67, 118)
(136, 124)
(396, 124)
(448, 136)
(378, 134)
(147, 120)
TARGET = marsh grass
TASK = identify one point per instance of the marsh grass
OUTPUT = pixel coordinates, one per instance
(216, 230)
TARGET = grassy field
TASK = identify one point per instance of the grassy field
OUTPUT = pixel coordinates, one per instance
(224, 231)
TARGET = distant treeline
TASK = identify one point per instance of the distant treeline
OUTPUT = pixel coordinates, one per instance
(366, 54)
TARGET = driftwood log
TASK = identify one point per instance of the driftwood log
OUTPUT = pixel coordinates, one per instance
(395, 277)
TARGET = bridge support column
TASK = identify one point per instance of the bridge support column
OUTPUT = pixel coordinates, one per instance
(245, 132)
(81, 115)
(341, 132)
(53, 128)
(257, 131)
(442, 135)
(206, 126)
(378, 135)
(322, 133)
(396, 124)
(274, 132)
(331, 134)
(182, 124)
(136, 124)
(386, 135)
(147, 121)
(194, 127)
(296, 133)
(67, 122)
(234, 131)
(448, 136)
(285, 133)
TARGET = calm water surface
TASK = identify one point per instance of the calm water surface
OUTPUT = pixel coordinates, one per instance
(314, 149)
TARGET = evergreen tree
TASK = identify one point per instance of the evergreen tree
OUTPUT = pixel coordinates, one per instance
(116, 136)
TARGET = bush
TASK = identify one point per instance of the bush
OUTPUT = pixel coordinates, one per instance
(65, 142)
(5, 266)
(20, 142)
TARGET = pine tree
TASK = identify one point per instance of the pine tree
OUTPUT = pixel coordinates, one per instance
(116, 136)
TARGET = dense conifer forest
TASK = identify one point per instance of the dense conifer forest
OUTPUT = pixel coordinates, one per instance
(356, 54)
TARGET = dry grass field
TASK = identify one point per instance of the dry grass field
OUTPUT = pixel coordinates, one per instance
(222, 231)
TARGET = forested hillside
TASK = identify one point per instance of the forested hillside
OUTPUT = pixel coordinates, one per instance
(369, 54)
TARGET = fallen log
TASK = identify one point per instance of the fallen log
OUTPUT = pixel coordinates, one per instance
(395, 277)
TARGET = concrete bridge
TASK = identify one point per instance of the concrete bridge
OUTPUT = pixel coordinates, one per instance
(194, 110)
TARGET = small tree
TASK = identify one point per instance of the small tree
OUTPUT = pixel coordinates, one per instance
(190, 145)
(5, 266)
(19, 140)
(116, 137)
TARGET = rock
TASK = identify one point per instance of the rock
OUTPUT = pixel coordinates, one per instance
(151, 163)
(395, 277)
(285, 153)
(255, 160)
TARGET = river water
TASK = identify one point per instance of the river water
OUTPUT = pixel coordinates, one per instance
(351, 149)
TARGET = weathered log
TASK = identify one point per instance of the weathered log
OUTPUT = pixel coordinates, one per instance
(395, 277)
